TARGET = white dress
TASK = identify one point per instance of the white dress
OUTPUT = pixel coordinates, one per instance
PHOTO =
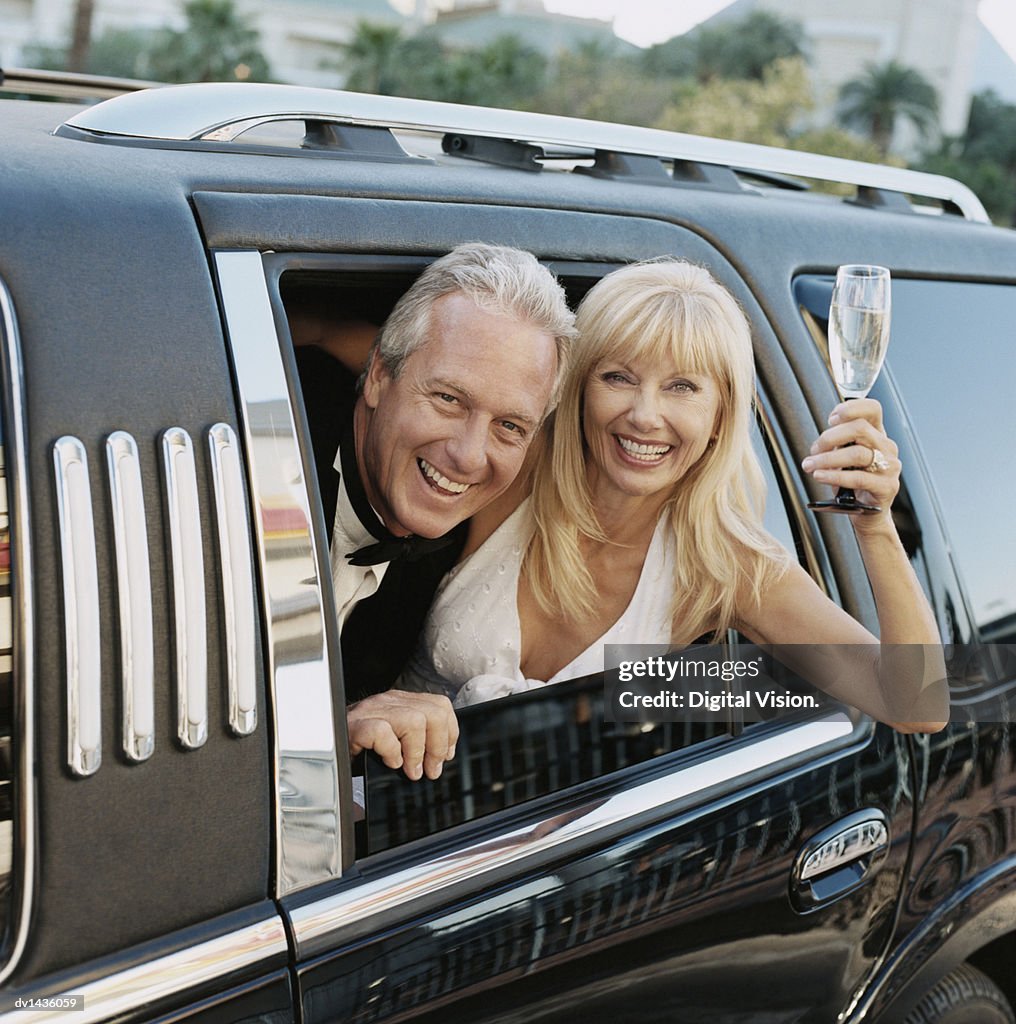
(471, 644)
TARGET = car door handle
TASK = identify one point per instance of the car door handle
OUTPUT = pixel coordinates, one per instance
(839, 859)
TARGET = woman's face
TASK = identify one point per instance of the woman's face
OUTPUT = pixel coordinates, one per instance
(646, 423)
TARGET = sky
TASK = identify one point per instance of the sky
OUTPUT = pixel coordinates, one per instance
(651, 21)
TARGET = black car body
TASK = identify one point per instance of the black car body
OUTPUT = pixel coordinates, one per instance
(178, 811)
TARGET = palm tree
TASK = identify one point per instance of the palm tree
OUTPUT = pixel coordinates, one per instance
(876, 100)
(217, 45)
(511, 71)
(370, 61)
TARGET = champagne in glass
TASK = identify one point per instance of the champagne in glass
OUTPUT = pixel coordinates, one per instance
(858, 338)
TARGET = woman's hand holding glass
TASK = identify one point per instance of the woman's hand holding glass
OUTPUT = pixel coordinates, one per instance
(858, 336)
(856, 438)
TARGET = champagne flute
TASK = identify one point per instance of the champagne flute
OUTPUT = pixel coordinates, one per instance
(858, 338)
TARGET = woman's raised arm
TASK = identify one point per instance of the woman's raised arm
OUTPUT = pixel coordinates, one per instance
(900, 676)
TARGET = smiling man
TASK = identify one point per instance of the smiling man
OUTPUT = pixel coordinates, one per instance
(456, 387)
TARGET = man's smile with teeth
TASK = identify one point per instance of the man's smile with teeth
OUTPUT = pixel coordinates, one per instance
(646, 452)
(441, 481)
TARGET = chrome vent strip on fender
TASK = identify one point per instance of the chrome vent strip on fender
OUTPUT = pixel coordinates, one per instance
(308, 847)
(134, 589)
(81, 607)
(184, 517)
(23, 603)
(237, 579)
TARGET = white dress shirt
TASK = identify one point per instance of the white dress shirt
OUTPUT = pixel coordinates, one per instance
(351, 583)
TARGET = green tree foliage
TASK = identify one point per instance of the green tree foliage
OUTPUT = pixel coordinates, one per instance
(510, 69)
(740, 49)
(875, 101)
(991, 131)
(217, 45)
(984, 156)
(122, 53)
(506, 72)
(416, 70)
(994, 186)
(833, 141)
(586, 82)
(373, 58)
(764, 111)
(118, 52)
(44, 57)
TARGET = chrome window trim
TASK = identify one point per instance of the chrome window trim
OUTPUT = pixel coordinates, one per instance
(308, 838)
(188, 568)
(237, 579)
(134, 592)
(23, 598)
(222, 110)
(339, 918)
(117, 994)
(81, 606)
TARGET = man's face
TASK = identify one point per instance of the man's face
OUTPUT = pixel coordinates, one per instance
(449, 435)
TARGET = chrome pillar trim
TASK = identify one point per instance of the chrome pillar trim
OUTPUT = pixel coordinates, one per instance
(237, 579)
(81, 606)
(308, 843)
(128, 991)
(319, 925)
(23, 645)
(184, 513)
(134, 590)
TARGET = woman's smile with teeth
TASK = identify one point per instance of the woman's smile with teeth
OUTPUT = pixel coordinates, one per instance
(443, 482)
(645, 452)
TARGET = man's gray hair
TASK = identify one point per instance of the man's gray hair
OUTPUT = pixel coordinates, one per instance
(497, 278)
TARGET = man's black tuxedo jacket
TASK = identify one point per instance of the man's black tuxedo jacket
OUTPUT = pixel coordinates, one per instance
(381, 632)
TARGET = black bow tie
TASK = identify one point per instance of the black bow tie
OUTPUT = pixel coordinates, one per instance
(388, 547)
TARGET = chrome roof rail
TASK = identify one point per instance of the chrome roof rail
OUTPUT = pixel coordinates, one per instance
(67, 84)
(220, 112)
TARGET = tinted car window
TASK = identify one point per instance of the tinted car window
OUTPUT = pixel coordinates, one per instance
(516, 749)
(953, 357)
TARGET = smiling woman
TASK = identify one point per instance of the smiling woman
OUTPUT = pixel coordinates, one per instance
(687, 377)
(643, 417)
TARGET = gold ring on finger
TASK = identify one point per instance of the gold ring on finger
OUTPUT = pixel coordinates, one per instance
(879, 463)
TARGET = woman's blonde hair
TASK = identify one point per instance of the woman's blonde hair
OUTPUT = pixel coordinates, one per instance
(667, 311)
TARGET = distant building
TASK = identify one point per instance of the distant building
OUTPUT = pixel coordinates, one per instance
(474, 23)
